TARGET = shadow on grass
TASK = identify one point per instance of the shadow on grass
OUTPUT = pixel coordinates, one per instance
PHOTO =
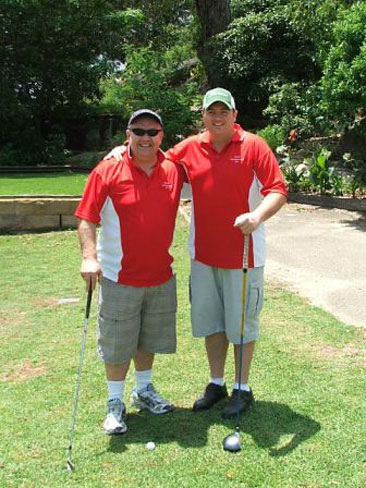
(187, 428)
(268, 423)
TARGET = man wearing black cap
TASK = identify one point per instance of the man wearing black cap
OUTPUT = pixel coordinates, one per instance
(135, 201)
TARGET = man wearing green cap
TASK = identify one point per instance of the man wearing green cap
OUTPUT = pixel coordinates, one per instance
(236, 185)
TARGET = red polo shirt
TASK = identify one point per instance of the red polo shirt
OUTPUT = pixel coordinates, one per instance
(137, 216)
(225, 185)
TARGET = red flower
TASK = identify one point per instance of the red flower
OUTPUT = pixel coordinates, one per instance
(293, 135)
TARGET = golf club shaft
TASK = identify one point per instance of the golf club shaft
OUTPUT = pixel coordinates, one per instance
(242, 327)
(75, 406)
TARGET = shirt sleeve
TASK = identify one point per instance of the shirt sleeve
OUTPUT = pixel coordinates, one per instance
(173, 153)
(268, 171)
(93, 199)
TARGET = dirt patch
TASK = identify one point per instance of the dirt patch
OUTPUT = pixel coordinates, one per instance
(12, 320)
(23, 372)
(357, 355)
(346, 355)
(45, 302)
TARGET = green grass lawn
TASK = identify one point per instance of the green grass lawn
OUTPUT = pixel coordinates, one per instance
(307, 429)
(43, 184)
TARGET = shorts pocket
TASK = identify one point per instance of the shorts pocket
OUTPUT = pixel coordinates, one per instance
(255, 302)
(118, 302)
(163, 299)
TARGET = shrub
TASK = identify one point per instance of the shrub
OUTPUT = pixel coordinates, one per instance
(297, 106)
(262, 48)
(273, 135)
(147, 82)
(344, 78)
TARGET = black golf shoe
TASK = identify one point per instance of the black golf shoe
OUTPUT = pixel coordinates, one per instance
(213, 394)
(245, 401)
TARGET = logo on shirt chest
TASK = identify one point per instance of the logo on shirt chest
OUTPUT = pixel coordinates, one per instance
(166, 185)
(237, 159)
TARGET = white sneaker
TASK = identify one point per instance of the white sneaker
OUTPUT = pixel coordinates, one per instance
(149, 399)
(114, 422)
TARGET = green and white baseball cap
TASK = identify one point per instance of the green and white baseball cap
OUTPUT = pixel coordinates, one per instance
(219, 95)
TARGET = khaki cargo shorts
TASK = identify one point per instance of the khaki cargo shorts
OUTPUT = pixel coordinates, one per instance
(131, 318)
(216, 301)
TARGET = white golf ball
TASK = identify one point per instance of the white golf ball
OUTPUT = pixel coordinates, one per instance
(150, 446)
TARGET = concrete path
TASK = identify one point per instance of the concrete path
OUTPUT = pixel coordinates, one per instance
(321, 254)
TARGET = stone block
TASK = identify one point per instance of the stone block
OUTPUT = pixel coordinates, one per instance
(11, 222)
(68, 222)
(45, 206)
(40, 222)
(7, 207)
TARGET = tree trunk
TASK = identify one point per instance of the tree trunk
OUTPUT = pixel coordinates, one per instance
(214, 17)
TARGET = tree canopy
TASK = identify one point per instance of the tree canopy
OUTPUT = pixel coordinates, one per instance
(299, 64)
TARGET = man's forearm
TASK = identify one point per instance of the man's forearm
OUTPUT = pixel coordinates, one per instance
(87, 232)
(270, 205)
(90, 268)
(249, 222)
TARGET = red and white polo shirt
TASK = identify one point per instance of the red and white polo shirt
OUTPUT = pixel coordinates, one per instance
(225, 185)
(137, 215)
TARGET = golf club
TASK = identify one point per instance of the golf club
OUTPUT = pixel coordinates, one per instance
(69, 464)
(232, 442)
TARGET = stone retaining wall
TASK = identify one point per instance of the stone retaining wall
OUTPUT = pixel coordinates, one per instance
(30, 213)
(346, 203)
(37, 213)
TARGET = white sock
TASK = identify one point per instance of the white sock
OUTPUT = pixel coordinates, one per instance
(217, 381)
(243, 387)
(143, 378)
(115, 389)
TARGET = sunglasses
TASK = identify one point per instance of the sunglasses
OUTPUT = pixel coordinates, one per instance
(141, 132)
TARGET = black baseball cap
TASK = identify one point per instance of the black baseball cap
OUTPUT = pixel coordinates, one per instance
(145, 111)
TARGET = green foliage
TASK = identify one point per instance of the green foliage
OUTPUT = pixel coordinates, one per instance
(240, 8)
(316, 173)
(261, 50)
(273, 135)
(358, 171)
(166, 23)
(320, 171)
(150, 81)
(295, 177)
(273, 55)
(297, 106)
(344, 78)
(314, 19)
(53, 55)
(328, 103)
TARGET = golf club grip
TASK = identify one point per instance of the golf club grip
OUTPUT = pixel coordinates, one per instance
(245, 277)
(89, 298)
(246, 252)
